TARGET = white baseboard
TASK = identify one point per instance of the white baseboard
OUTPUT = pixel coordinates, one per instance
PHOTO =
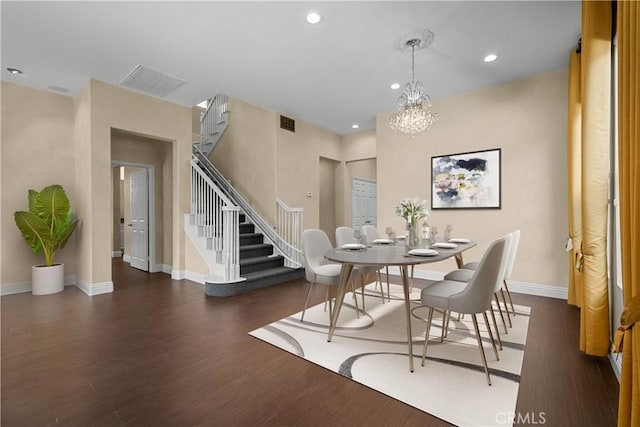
(116, 254)
(161, 268)
(92, 289)
(126, 258)
(514, 286)
(25, 286)
(178, 274)
(195, 277)
(616, 363)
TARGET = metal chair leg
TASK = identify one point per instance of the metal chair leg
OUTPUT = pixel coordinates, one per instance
(506, 288)
(306, 301)
(379, 280)
(484, 359)
(388, 291)
(426, 335)
(493, 341)
(501, 314)
(495, 326)
(506, 307)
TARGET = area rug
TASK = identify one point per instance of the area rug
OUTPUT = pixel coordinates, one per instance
(372, 350)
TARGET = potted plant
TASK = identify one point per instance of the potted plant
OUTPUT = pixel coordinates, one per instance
(47, 227)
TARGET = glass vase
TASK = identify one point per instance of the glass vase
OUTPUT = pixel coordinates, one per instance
(412, 239)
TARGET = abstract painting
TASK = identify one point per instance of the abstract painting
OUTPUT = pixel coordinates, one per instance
(466, 180)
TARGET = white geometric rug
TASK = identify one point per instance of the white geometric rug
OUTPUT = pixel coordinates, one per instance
(372, 350)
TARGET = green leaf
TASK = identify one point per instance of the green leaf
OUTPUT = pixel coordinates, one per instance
(32, 201)
(34, 230)
(52, 205)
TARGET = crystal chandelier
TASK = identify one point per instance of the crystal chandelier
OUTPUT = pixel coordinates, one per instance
(414, 113)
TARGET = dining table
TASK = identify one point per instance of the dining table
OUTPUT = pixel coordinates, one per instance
(386, 255)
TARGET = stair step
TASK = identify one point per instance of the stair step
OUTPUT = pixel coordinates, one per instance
(253, 251)
(284, 273)
(247, 227)
(252, 265)
(251, 239)
(261, 279)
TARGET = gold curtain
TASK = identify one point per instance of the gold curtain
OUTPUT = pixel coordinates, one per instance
(574, 156)
(628, 20)
(591, 293)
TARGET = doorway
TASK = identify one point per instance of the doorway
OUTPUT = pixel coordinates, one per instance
(136, 213)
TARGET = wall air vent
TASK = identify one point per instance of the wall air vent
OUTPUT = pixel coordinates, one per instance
(150, 81)
(287, 123)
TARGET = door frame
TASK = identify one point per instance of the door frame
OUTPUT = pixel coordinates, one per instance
(153, 267)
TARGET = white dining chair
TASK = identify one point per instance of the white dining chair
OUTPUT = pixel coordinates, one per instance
(472, 297)
(318, 270)
(345, 235)
(372, 234)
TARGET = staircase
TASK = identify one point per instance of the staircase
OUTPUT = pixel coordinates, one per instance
(246, 253)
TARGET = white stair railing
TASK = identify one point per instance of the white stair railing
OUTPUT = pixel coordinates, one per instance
(289, 223)
(217, 219)
(213, 122)
(293, 256)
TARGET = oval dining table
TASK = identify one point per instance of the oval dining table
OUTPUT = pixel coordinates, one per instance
(384, 256)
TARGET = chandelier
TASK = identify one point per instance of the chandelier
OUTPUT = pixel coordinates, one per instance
(414, 113)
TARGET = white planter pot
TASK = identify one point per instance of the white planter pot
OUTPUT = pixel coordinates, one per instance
(47, 279)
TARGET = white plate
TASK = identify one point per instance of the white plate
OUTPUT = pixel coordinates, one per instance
(383, 241)
(423, 252)
(401, 237)
(459, 240)
(353, 246)
(444, 245)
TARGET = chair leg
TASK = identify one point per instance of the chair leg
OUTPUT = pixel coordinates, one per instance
(484, 359)
(328, 298)
(388, 291)
(506, 288)
(426, 335)
(506, 307)
(495, 325)
(445, 323)
(362, 291)
(306, 301)
(379, 280)
(493, 341)
(355, 297)
(504, 323)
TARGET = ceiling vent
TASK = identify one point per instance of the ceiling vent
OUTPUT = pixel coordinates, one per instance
(150, 81)
(287, 123)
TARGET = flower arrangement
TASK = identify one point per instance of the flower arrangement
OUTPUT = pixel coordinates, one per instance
(412, 210)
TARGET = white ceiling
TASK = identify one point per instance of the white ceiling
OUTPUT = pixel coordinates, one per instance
(332, 74)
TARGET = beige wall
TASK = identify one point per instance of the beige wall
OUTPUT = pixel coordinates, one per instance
(298, 167)
(327, 195)
(36, 150)
(126, 147)
(527, 120)
(246, 155)
(101, 107)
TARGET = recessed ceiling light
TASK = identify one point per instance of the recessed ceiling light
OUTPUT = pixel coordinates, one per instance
(490, 58)
(355, 126)
(395, 86)
(313, 17)
(14, 71)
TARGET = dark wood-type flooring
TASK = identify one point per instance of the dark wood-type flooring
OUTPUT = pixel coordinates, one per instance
(159, 352)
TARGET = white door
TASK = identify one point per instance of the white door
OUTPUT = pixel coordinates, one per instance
(140, 220)
(364, 196)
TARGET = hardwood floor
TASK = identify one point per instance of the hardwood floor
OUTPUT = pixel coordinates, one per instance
(159, 352)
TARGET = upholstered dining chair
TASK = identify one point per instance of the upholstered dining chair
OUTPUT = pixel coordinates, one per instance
(372, 234)
(318, 270)
(472, 297)
(345, 235)
(512, 258)
(464, 275)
